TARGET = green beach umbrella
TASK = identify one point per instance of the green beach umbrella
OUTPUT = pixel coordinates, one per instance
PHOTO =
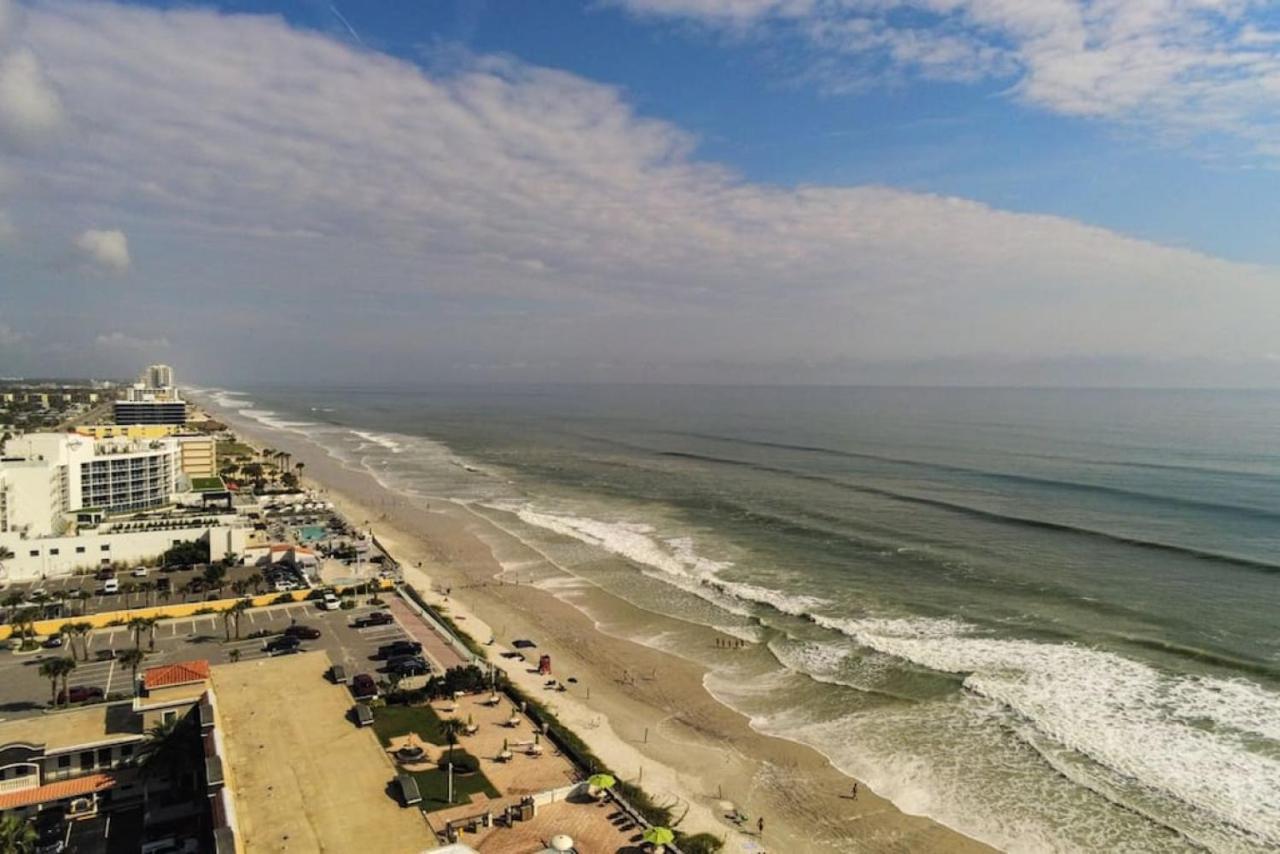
(602, 781)
(659, 836)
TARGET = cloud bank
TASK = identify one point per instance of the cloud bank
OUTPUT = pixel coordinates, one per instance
(1192, 68)
(507, 215)
(107, 250)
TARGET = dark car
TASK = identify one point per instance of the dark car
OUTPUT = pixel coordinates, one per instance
(409, 665)
(104, 574)
(281, 645)
(400, 647)
(377, 618)
(302, 632)
(52, 642)
(363, 686)
(80, 694)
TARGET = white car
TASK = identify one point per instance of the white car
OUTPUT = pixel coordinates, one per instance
(139, 572)
(330, 602)
(285, 586)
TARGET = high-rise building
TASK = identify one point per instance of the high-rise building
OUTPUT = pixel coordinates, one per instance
(158, 377)
(150, 411)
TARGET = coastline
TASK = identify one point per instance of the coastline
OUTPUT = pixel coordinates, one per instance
(645, 712)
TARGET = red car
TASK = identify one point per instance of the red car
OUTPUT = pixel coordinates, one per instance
(363, 686)
(80, 694)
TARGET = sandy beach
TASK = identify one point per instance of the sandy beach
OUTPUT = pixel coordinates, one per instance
(643, 711)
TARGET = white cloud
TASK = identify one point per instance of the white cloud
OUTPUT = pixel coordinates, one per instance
(1191, 67)
(108, 250)
(30, 108)
(346, 187)
(119, 340)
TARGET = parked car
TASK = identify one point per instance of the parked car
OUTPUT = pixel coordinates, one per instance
(104, 574)
(400, 647)
(111, 585)
(363, 687)
(281, 644)
(377, 618)
(52, 642)
(302, 632)
(330, 602)
(285, 586)
(80, 694)
(139, 572)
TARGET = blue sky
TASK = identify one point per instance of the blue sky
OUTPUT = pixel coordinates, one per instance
(1058, 191)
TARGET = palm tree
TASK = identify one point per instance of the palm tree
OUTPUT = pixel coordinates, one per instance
(25, 620)
(234, 655)
(11, 602)
(256, 581)
(451, 728)
(137, 625)
(151, 622)
(237, 611)
(53, 670)
(298, 467)
(226, 622)
(81, 631)
(132, 659)
(170, 749)
(17, 835)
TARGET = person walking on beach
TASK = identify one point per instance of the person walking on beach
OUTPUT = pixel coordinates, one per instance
(760, 825)
(855, 791)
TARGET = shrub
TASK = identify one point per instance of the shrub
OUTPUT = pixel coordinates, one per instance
(698, 843)
(347, 604)
(200, 611)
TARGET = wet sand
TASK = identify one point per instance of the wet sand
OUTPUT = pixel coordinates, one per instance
(644, 712)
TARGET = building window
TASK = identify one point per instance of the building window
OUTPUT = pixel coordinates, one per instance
(64, 761)
(170, 715)
(104, 757)
(105, 547)
(53, 552)
(79, 550)
(126, 751)
(86, 760)
(35, 553)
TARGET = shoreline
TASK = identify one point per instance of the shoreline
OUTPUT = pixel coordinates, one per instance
(645, 712)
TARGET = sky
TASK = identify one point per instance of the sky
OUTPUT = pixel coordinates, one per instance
(1025, 192)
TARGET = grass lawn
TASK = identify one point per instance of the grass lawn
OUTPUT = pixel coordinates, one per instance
(390, 721)
(207, 484)
(434, 788)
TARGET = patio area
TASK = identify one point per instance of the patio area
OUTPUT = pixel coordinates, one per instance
(595, 827)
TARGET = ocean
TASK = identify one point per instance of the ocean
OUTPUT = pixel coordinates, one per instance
(1046, 618)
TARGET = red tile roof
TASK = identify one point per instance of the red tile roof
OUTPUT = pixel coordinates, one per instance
(182, 673)
(62, 789)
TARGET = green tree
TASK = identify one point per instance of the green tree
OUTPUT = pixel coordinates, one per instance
(17, 835)
(237, 611)
(54, 669)
(214, 574)
(152, 623)
(11, 603)
(255, 581)
(80, 631)
(132, 659)
(451, 728)
(137, 625)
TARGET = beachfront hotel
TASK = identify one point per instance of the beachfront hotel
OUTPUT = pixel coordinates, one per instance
(58, 492)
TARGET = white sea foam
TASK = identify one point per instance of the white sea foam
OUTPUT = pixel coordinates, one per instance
(1182, 736)
(272, 419)
(382, 440)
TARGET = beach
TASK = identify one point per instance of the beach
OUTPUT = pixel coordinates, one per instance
(645, 712)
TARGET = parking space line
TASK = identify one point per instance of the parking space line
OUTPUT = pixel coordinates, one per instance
(110, 672)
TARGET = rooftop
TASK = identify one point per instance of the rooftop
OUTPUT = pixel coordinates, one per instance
(302, 776)
(74, 728)
(169, 675)
(74, 787)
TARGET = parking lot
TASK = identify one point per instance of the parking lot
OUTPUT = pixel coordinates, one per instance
(24, 691)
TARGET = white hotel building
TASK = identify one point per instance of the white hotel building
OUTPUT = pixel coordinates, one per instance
(49, 481)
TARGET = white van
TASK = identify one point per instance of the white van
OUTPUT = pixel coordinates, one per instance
(111, 585)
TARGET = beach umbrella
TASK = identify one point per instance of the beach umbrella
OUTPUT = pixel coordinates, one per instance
(561, 842)
(659, 837)
(602, 781)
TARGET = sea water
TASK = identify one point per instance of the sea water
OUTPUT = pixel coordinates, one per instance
(1046, 618)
